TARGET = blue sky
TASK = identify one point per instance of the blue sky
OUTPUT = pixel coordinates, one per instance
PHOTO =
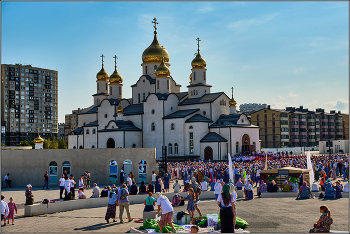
(279, 53)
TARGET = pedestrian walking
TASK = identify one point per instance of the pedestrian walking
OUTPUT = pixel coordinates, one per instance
(123, 203)
(46, 180)
(12, 209)
(4, 209)
(197, 189)
(88, 180)
(67, 186)
(113, 202)
(7, 180)
(81, 183)
(72, 186)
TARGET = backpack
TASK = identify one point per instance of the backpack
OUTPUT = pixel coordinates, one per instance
(45, 201)
(175, 201)
(123, 194)
(199, 190)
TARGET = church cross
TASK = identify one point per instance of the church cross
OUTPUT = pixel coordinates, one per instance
(198, 43)
(232, 91)
(115, 61)
(102, 58)
(155, 24)
(38, 131)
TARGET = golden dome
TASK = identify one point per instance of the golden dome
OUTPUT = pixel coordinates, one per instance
(232, 102)
(116, 78)
(163, 70)
(38, 140)
(120, 109)
(191, 78)
(102, 75)
(155, 52)
(198, 62)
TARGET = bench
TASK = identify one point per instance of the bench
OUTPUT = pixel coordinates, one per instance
(61, 206)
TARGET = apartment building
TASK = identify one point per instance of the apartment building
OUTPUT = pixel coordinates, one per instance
(299, 127)
(29, 98)
(71, 121)
(248, 108)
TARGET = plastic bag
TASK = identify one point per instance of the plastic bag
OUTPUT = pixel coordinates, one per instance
(213, 220)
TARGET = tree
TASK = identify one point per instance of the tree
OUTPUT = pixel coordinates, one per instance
(26, 143)
(2, 145)
(50, 143)
(62, 144)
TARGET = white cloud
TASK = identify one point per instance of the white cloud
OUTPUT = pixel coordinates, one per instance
(280, 105)
(340, 104)
(242, 25)
(205, 9)
(280, 97)
(292, 94)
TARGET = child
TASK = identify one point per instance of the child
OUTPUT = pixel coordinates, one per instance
(194, 229)
(191, 197)
(81, 194)
(325, 221)
(12, 208)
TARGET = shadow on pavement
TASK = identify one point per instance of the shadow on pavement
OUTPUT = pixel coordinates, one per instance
(97, 226)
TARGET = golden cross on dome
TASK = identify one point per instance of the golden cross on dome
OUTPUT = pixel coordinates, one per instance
(38, 131)
(155, 24)
(232, 91)
(102, 58)
(115, 61)
(198, 43)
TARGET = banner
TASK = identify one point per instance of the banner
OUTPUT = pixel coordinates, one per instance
(309, 166)
(230, 167)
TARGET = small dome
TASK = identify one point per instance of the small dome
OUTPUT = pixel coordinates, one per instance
(38, 140)
(163, 70)
(198, 62)
(102, 75)
(155, 52)
(116, 78)
(120, 109)
(232, 102)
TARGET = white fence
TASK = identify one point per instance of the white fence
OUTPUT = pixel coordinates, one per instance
(295, 150)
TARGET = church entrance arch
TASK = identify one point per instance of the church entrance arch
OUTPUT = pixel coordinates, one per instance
(208, 153)
(245, 143)
(110, 143)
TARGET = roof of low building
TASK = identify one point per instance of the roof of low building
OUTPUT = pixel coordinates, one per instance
(91, 111)
(123, 125)
(199, 84)
(98, 94)
(206, 98)
(198, 118)
(180, 113)
(91, 124)
(77, 131)
(135, 109)
(213, 137)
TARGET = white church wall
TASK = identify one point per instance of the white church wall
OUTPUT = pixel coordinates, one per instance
(200, 130)
(171, 104)
(218, 109)
(90, 139)
(136, 119)
(143, 86)
(105, 114)
(151, 138)
(116, 135)
(174, 136)
(72, 141)
(204, 109)
(133, 138)
(86, 118)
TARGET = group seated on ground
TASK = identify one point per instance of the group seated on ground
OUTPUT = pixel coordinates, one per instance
(304, 192)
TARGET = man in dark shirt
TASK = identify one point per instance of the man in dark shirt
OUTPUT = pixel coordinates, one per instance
(150, 187)
(46, 179)
(133, 188)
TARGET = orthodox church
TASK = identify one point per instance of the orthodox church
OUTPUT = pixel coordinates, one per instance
(195, 124)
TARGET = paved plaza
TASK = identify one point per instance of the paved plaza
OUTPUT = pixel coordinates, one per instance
(263, 214)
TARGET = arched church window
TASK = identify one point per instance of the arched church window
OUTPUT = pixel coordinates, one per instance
(144, 97)
(133, 146)
(74, 147)
(194, 75)
(204, 112)
(120, 90)
(87, 131)
(98, 86)
(106, 87)
(110, 90)
(157, 84)
(167, 84)
(172, 126)
(153, 127)
(176, 148)
(153, 111)
(237, 146)
(204, 75)
(205, 91)
(139, 97)
(106, 116)
(155, 68)
(191, 127)
(145, 71)
(93, 131)
(196, 92)
(170, 149)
